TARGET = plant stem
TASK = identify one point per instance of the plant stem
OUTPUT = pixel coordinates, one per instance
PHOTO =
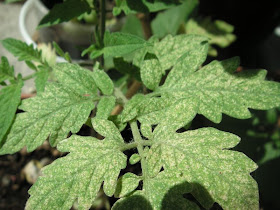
(139, 143)
(138, 140)
(130, 92)
(28, 77)
(102, 25)
(135, 144)
(146, 25)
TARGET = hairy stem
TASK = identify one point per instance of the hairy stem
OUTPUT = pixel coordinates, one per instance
(138, 139)
(102, 25)
(139, 143)
(136, 144)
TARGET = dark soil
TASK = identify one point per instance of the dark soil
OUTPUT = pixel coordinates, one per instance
(13, 185)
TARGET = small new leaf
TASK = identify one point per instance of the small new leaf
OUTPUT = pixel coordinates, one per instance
(9, 101)
(22, 50)
(151, 71)
(216, 174)
(79, 175)
(126, 184)
(6, 71)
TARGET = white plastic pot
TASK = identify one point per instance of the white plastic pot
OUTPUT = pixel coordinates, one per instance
(69, 34)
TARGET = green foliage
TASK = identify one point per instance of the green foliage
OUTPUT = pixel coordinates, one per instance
(65, 11)
(9, 101)
(184, 94)
(41, 79)
(145, 6)
(64, 107)
(6, 71)
(201, 157)
(219, 32)
(169, 21)
(21, 50)
(168, 163)
(80, 174)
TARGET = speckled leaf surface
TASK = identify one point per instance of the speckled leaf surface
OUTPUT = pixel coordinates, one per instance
(126, 184)
(105, 107)
(103, 82)
(79, 175)
(151, 71)
(210, 91)
(41, 79)
(107, 128)
(75, 77)
(165, 191)
(6, 71)
(216, 174)
(193, 48)
(22, 50)
(60, 109)
(9, 101)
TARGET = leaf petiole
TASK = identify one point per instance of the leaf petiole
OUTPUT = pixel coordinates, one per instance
(28, 77)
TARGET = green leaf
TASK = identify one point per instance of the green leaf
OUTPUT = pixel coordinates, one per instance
(75, 77)
(218, 32)
(41, 79)
(221, 90)
(135, 158)
(105, 107)
(118, 44)
(163, 192)
(133, 26)
(116, 119)
(169, 21)
(126, 184)
(9, 101)
(21, 50)
(170, 50)
(31, 65)
(146, 130)
(79, 175)
(58, 50)
(201, 156)
(61, 108)
(6, 71)
(127, 68)
(151, 71)
(65, 11)
(103, 82)
(145, 6)
(107, 128)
